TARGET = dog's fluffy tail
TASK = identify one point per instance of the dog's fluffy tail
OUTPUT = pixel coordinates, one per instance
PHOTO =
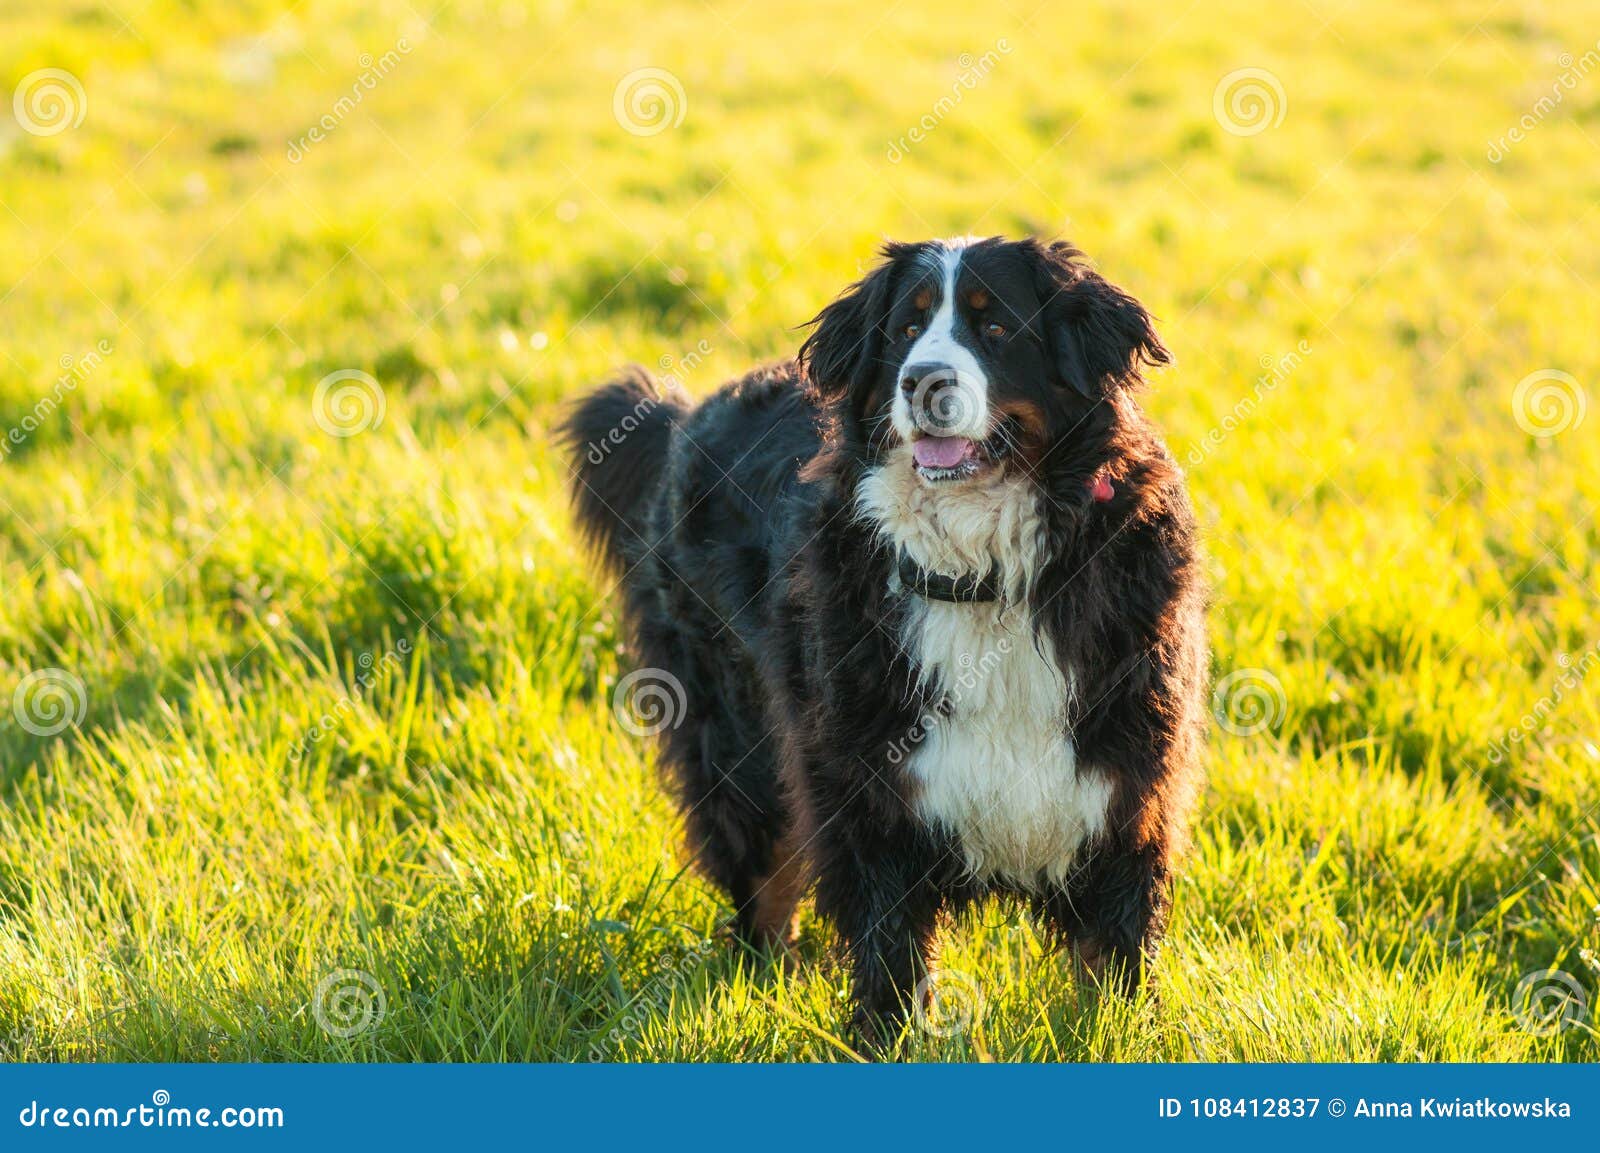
(620, 434)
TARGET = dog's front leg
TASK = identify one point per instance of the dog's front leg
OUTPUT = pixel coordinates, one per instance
(882, 897)
(1113, 909)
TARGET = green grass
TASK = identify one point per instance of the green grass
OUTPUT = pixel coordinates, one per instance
(181, 868)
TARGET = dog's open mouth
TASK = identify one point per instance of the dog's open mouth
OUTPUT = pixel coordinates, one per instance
(947, 458)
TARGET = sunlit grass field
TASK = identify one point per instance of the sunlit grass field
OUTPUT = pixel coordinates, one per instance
(307, 740)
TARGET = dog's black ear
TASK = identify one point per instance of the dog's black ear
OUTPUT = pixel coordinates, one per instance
(1100, 335)
(847, 336)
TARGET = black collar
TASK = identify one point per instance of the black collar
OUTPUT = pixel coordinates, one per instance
(936, 586)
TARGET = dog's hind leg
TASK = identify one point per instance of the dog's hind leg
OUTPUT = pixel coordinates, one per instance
(742, 833)
(767, 916)
(724, 767)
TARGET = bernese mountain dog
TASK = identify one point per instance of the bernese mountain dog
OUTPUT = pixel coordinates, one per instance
(933, 595)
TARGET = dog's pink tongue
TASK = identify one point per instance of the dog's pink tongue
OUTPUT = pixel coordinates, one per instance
(940, 451)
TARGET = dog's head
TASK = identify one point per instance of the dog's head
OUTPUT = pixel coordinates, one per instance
(976, 353)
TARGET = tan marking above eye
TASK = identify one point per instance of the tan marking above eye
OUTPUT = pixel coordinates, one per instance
(923, 300)
(978, 299)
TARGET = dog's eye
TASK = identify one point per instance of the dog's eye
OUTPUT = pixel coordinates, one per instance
(994, 329)
(912, 331)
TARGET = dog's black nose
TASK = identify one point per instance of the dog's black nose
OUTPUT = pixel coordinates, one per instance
(913, 375)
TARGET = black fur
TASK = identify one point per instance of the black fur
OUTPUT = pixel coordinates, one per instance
(753, 580)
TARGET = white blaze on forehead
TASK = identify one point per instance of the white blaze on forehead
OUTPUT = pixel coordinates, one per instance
(968, 398)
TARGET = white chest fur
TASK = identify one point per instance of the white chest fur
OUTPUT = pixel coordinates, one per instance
(999, 769)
